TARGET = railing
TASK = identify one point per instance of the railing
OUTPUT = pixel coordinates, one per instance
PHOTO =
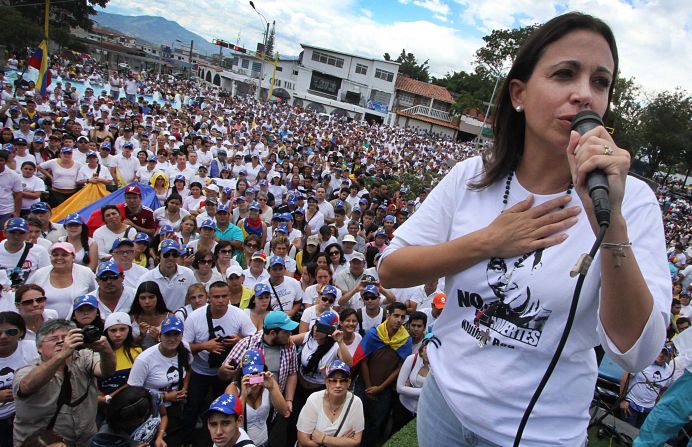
(429, 112)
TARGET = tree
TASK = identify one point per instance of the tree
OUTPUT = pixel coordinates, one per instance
(666, 130)
(501, 47)
(410, 66)
(472, 90)
(269, 51)
(625, 113)
(68, 14)
(18, 32)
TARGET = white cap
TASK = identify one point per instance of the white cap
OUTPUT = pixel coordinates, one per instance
(358, 255)
(234, 270)
(117, 318)
(212, 187)
(349, 238)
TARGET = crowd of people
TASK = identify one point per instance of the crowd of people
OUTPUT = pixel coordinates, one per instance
(247, 308)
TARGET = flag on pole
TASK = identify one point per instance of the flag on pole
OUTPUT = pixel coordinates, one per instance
(39, 60)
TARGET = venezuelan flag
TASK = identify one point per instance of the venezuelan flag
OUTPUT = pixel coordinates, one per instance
(377, 338)
(39, 60)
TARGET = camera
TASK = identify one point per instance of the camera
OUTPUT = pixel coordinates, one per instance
(189, 251)
(17, 278)
(91, 333)
(256, 379)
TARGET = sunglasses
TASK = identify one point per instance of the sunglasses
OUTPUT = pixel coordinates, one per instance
(173, 254)
(37, 300)
(10, 332)
(206, 261)
(332, 253)
(328, 300)
(225, 252)
(124, 252)
(252, 246)
(369, 297)
(109, 278)
(338, 381)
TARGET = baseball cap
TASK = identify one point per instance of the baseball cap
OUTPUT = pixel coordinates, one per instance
(109, 266)
(299, 211)
(313, 240)
(17, 224)
(234, 270)
(227, 404)
(92, 154)
(66, 150)
(142, 237)
(252, 362)
(254, 206)
(371, 289)
(128, 144)
(73, 218)
(121, 241)
(358, 256)
(390, 218)
(260, 255)
(20, 141)
(328, 318)
(329, 290)
(133, 189)
(283, 228)
(276, 260)
(68, 247)
(356, 209)
(117, 318)
(169, 245)
(170, 324)
(439, 301)
(337, 365)
(40, 207)
(85, 300)
(348, 238)
(179, 177)
(222, 209)
(380, 233)
(208, 223)
(279, 320)
(152, 158)
(261, 288)
(166, 229)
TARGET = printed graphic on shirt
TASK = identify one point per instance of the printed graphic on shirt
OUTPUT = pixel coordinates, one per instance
(6, 378)
(512, 312)
(172, 376)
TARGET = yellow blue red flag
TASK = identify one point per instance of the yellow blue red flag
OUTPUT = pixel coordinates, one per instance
(39, 60)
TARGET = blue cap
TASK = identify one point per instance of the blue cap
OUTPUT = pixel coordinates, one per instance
(329, 290)
(227, 404)
(390, 218)
(73, 218)
(292, 201)
(128, 144)
(9, 147)
(242, 172)
(105, 145)
(299, 211)
(142, 237)
(283, 228)
(337, 365)
(170, 245)
(222, 209)
(40, 207)
(380, 233)
(261, 288)
(167, 229)
(85, 300)
(276, 260)
(339, 204)
(109, 266)
(152, 158)
(263, 183)
(254, 206)
(172, 323)
(227, 190)
(66, 150)
(92, 154)
(252, 362)
(371, 289)
(279, 320)
(328, 318)
(121, 241)
(363, 201)
(411, 202)
(208, 223)
(285, 217)
(17, 224)
(356, 209)
(38, 139)
(262, 169)
(239, 199)
(179, 177)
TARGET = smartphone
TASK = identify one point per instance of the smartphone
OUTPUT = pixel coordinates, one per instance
(190, 251)
(233, 363)
(256, 379)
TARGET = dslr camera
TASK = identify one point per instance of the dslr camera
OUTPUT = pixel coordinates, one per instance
(91, 333)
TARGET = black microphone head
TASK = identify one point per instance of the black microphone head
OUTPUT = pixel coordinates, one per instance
(586, 120)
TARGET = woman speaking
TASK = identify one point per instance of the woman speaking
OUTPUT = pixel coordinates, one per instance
(506, 229)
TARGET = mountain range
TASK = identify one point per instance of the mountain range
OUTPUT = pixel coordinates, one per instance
(167, 31)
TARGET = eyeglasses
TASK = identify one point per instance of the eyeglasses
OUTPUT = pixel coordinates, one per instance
(30, 302)
(328, 300)
(332, 253)
(338, 381)
(124, 252)
(10, 332)
(109, 278)
(370, 297)
(225, 252)
(253, 246)
(261, 200)
(206, 261)
(174, 254)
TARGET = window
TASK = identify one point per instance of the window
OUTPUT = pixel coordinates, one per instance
(279, 68)
(235, 61)
(384, 75)
(295, 72)
(245, 63)
(361, 69)
(256, 66)
(325, 58)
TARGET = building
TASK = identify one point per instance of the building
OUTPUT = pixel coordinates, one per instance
(423, 106)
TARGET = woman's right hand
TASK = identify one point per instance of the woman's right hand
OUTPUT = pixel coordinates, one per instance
(523, 228)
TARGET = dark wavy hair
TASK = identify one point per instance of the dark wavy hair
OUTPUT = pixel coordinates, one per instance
(153, 288)
(13, 318)
(508, 125)
(314, 360)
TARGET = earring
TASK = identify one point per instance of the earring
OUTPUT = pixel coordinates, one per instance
(519, 109)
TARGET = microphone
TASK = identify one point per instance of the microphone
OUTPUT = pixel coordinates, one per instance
(596, 180)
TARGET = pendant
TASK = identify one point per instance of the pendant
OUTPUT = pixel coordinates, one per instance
(484, 337)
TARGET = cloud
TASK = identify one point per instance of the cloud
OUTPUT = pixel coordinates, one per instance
(437, 7)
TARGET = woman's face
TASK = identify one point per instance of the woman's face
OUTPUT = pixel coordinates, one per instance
(85, 315)
(206, 233)
(60, 258)
(147, 301)
(322, 261)
(334, 255)
(31, 304)
(350, 323)
(8, 343)
(171, 339)
(187, 227)
(196, 192)
(28, 171)
(337, 384)
(142, 157)
(73, 230)
(173, 206)
(323, 277)
(117, 334)
(573, 74)
(250, 246)
(262, 301)
(281, 250)
(199, 298)
(204, 264)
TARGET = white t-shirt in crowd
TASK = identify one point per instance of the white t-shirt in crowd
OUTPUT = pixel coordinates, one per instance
(235, 322)
(60, 299)
(284, 295)
(86, 173)
(133, 274)
(31, 184)
(173, 289)
(312, 417)
(310, 345)
(36, 258)
(127, 166)
(536, 302)
(156, 372)
(62, 178)
(162, 218)
(10, 182)
(310, 295)
(645, 386)
(22, 356)
(104, 238)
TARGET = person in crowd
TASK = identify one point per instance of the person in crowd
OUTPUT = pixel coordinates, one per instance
(349, 281)
(62, 173)
(423, 296)
(409, 384)
(188, 231)
(280, 246)
(118, 331)
(224, 421)
(164, 369)
(324, 303)
(85, 312)
(136, 215)
(516, 255)
(123, 253)
(204, 268)
(35, 233)
(148, 312)
(18, 258)
(30, 301)
(417, 326)
(195, 298)
(223, 255)
(433, 313)
(379, 357)
(259, 305)
(349, 326)
(142, 256)
(286, 291)
(253, 224)
(333, 416)
(258, 396)
(92, 172)
(323, 278)
(226, 231)
(51, 231)
(256, 272)
(159, 182)
(38, 386)
(113, 228)
(63, 279)
(211, 332)
(86, 249)
(250, 245)
(112, 294)
(314, 218)
(240, 295)
(171, 213)
(15, 352)
(172, 279)
(206, 240)
(32, 185)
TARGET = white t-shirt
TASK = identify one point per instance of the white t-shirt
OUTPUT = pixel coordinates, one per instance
(173, 289)
(62, 178)
(22, 356)
(104, 238)
(288, 293)
(86, 173)
(312, 416)
(234, 322)
(645, 386)
(144, 174)
(250, 281)
(525, 339)
(31, 184)
(133, 274)
(10, 182)
(162, 218)
(310, 295)
(127, 166)
(310, 345)
(156, 372)
(60, 300)
(192, 204)
(36, 258)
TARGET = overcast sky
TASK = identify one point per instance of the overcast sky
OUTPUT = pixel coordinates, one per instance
(654, 37)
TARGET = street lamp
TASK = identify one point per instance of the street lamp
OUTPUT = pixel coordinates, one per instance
(264, 49)
(189, 58)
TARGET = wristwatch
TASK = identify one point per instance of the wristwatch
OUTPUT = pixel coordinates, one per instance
(107, 398)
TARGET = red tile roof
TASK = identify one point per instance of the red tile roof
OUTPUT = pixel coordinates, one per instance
(427, 119)
(423, 88)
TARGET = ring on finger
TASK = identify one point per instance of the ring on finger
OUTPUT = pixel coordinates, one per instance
(607, 150)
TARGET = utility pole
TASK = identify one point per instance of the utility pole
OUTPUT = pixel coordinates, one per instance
(189, 74)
